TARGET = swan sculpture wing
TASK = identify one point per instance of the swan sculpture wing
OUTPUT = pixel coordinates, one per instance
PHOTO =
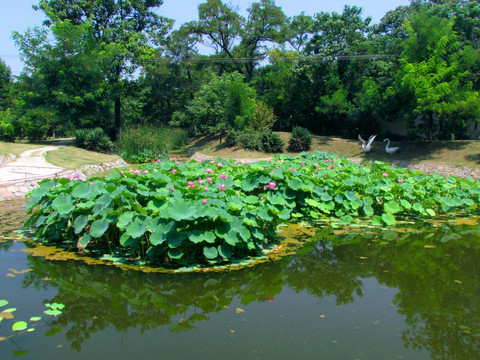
(368, 147)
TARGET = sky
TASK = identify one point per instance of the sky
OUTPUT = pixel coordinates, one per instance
(17, 15)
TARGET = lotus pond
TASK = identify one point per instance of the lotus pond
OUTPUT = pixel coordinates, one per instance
(384, 264)
(385, 293)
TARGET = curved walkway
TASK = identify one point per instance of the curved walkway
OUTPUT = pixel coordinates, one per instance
(22, 174)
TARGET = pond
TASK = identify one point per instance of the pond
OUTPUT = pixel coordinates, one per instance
(386, 294)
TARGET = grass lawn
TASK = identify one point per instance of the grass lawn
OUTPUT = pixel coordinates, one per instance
(71, 157)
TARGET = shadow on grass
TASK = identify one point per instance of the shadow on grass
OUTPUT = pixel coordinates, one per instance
(473, 157)
(415, 151)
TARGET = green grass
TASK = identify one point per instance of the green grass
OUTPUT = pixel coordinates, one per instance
(71, 157)
(67, 156)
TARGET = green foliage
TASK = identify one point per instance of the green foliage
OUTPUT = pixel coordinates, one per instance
(5, 86)
(300, 140)
(93, 140)
(249, 139)
(7, 130)
(36, 124)
(225, 102)
(264, 118)
(271, 142)
(209, 213)
(146, 143)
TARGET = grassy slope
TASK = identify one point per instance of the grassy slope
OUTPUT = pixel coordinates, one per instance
(459, 153)
(67, 156)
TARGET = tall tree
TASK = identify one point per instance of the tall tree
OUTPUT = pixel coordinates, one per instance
(243, 41)
(125, 31)
(433, 77)
(5, 86)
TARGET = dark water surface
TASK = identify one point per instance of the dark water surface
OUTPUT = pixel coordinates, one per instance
(385, 295)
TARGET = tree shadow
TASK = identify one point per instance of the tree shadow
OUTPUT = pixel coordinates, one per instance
(473, 157)
(416, 151)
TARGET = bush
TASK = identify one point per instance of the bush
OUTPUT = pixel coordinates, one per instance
(93, 140)
(232, 138)
(147, 143)
(271, 143)
(36, 123)
(7, 130)
(264, 118)
(248, 139)
(301, 140)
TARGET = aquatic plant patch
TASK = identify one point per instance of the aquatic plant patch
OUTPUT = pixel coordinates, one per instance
(210, 212)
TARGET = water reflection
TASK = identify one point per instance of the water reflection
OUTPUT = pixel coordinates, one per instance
(435, 269)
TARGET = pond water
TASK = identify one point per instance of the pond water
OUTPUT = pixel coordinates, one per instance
(385, 295)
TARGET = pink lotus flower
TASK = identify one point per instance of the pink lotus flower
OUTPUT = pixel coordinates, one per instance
(159, 161)
(221, 187)
(76, 175)
(272, 185)
(173, 159)
(200, 181)
(302, 163)
(209, 180)
(172, 188)
(261, 197)
(92, 183)
(316, 165)
(177, 162)
(205, 188)
(212, 162)
(209, 171)
(174, 171)
(385, 174)
(203, 159)
(400, 180)
(333, 165)
(223, 176)
(329, 168)
(410, 166)
(145, 172)
(137, 171)
(191, 184)
(292, 169)
(204, 201)
(219, 164)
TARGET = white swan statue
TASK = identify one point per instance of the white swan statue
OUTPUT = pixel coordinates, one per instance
(389, 149)
(367, 146)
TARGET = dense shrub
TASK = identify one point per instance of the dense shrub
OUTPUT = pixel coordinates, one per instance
(146, 143)
(264, 118)
(249, 139)
(301, 140)
(7, 130)
(232, 138)
(36, 123)
(93, 140)
(271, 142)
